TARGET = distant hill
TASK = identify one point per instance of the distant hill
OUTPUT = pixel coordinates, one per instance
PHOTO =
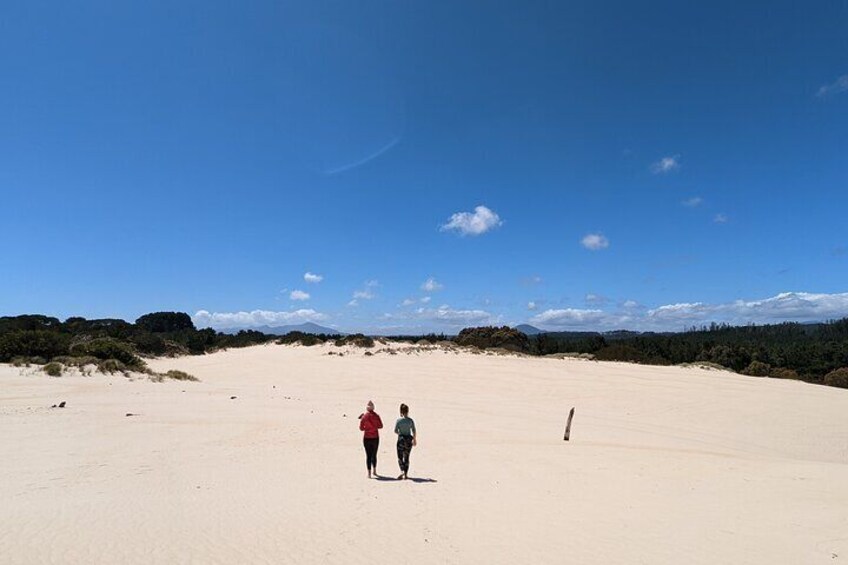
(527, 329)
(307, 328)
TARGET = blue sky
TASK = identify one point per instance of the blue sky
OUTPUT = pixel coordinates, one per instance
(580, 165)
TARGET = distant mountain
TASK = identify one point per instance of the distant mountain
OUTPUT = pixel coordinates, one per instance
(307, 328)
(527, 329)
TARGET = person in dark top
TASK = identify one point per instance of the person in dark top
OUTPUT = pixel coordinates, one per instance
(370, 424)
(407, 437)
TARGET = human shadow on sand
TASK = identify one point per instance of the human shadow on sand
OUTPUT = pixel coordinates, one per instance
(411, 479)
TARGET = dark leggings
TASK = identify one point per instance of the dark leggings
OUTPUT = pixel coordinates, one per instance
(404, 448)
(371, 444)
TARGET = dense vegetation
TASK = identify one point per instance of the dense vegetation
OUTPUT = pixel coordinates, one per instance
(109, 343)
(811, 352)
(494, 337)
(815, 353)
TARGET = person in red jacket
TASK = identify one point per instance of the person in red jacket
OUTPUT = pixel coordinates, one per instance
(370, 423)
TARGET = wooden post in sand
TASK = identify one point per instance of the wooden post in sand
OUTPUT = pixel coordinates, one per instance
(568, 426)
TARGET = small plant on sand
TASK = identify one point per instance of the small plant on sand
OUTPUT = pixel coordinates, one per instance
(180, 376)
(53, 369)
(838, 378)
(20, 362)
(111, 366)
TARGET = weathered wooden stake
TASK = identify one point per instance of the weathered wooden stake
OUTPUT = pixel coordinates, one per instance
(568, 426)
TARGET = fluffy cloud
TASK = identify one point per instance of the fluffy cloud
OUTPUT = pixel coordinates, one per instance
(408, 302)
(720, 219)
(683, 311)
(783, 307)
(666, 165)
(446, 315)
(363, 294)
(312, 277)
(594, 241)
(298, 295)
(476, 223)
(431, 285)
(425, 299)
(570, 317)
(693, 202)
(838, 86)
(532, 305)
(256, 318)
(593, 298)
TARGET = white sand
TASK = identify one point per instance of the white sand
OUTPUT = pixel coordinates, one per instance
(665, 465)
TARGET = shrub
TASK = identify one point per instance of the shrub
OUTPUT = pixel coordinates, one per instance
(53, 369)
(757, 369)
(783, 373)
(108, 348)
(180, 376)
(357, 340)
(838, 378)
(69, 361)
(149, 343)
(111, 366)
(491, 336)
(164, 322)
(33, 343)
(20, 362)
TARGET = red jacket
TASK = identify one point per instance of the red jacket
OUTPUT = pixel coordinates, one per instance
(369, 423)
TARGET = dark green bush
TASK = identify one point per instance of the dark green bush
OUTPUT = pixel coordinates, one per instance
(33, 343)
(357, 340)
(111, 366)
(165, 322)
(783, 373)
(757, 369)
(491, 336)
(838, 378)
(53, 369)
(108, 348)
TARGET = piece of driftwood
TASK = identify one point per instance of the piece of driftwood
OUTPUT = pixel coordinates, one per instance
(568, 426)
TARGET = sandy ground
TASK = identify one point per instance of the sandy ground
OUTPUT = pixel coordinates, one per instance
(665, 465)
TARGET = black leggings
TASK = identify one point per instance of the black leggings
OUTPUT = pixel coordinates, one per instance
(404, 448)
(371, 444)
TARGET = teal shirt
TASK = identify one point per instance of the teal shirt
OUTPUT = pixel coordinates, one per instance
(405, 426)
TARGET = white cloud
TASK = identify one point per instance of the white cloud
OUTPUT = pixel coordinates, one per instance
(720, 219)
(531, 305)
(372, 283)
(425, 299)
(800, 306)
(298, 295)
(448, 316)
(693, 202)
(679, 312)
(666, 165)
(569, 317)
(476, 223)
(431, 285)
(312, 277)
(593, 298)
(353, 302)
(838, 86)
(408, 302)
(783, 307)
(363, 294)
(594, 241)
(256, 318)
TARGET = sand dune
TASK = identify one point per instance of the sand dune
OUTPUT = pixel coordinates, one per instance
(665, 464)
